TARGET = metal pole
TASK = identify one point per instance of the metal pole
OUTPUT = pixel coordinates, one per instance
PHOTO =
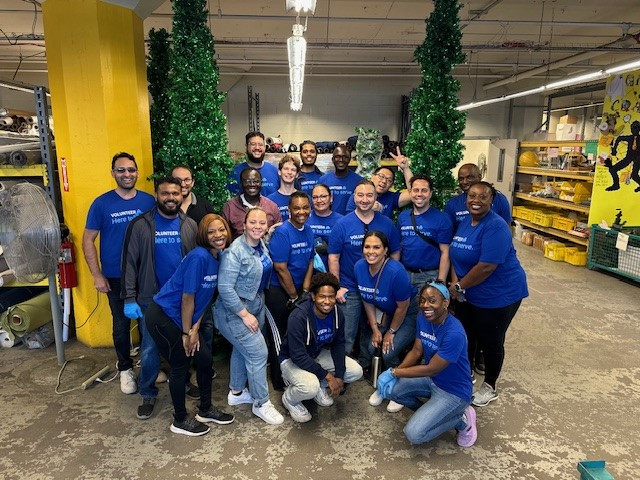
(56, 315)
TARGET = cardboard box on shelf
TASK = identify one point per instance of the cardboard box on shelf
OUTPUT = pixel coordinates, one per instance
(568, 119)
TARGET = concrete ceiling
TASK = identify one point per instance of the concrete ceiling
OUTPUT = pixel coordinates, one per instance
(534, 39)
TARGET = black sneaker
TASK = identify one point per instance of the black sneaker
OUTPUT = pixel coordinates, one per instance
(479, 363)
(190, 427)
(193, 391)
(146, 409)
(213, 415)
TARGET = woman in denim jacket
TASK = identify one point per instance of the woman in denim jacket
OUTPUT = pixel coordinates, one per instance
(245, 270)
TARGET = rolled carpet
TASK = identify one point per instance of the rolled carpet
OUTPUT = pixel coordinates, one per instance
(27, 316)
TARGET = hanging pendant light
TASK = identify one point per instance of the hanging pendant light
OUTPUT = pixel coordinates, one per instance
(306, 7)
(297, 49)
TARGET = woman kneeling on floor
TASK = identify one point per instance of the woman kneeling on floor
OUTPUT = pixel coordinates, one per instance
(173, 321)
(443, 378)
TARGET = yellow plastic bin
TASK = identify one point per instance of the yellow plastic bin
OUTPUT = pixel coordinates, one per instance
(542, 218)
(561, 222)
(554, 251)
(575, 256)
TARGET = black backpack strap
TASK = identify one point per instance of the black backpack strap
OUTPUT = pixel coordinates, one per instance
(424, 237)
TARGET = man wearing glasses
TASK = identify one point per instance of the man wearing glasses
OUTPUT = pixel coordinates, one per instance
(235, 210)
(256, 149)
(194, 207)
(343, 181)
(109, 216)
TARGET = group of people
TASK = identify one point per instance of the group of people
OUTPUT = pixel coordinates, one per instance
(308, 276)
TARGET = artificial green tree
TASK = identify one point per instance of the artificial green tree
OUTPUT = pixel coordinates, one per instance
(158, 69)
(197, 133)
(433, 144)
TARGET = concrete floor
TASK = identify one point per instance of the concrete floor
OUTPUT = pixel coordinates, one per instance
(569, 391)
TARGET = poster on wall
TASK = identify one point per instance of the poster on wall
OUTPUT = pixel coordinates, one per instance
(617, 177)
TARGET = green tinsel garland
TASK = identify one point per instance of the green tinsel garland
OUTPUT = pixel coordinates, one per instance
(197, 126)
(158, 76)
(433, 144)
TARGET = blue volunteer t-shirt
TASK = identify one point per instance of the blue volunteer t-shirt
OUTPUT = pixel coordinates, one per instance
(456, 208)
(282, 201)
(110, 215)
(270, 179)
(267, 267)
(197, 275)
(388, 200)
(449, 341)
(346, 240)
(490, 242)
(168, 247)
(325, 329)
(417, 253)
(308, 180)
(321, 228)
(293, 247)
(394, 285)
(341, 188)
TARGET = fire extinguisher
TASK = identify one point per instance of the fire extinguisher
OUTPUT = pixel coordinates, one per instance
(66, 262)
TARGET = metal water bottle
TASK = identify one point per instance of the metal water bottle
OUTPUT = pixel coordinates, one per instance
(376, 365)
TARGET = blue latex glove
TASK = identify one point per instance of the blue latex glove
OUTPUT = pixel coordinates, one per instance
(386, 382)
(132, 310)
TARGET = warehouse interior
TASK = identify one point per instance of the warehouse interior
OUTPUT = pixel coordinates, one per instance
(570, 384)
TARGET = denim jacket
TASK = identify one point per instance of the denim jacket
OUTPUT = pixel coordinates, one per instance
(239, 274)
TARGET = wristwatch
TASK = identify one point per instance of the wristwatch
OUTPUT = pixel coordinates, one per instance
(458, 288)
(392, 331)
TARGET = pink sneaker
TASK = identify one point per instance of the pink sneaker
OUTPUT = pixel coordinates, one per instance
(468, 436)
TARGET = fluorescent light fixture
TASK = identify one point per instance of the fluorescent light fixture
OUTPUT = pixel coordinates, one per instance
(480, 103)
(297, 50)
(307, 7)
(525, 93)
(20, 87)
(624, 67)
(573, 80)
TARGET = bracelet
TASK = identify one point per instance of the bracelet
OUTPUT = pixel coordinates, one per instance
(185, 334)
(393, 372)
(392, 331)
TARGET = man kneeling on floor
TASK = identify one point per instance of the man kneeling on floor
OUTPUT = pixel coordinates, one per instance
(312, 357)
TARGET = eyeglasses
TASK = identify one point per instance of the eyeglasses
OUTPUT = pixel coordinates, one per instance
(186, 181)
(384, 178)
(256, 144)
(320, 197)
(125, 169)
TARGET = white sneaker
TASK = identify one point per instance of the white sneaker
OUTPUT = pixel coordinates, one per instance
(161, 378)
(244, 397)
(394, 407)
(323, 398)
(375, 399)
(485, 394)
(268, 413)
(298, 412)
(128, 382)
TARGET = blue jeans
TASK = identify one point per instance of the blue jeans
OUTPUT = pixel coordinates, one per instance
(352, 311)
(149, 361)
(418, 280)
(404, 337)
(441, 413)
(249, 354)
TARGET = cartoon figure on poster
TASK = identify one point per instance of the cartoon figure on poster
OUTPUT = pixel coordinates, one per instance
(632, 157)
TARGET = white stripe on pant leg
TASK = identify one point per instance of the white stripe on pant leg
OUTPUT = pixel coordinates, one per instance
(275, 332)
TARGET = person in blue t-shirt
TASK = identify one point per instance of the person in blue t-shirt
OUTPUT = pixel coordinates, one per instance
(245, 271)
(174, 318)
(385, 290)
(256, 149)
(487, 275)
(437, 368)
(291, 249)
(456, 207)
(109, 217)
(343, 181)
(345, 249)
(321, 222)
(309, 172)
(288, 169)
(312, 358)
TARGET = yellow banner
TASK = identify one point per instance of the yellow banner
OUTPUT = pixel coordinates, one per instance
(617, 178)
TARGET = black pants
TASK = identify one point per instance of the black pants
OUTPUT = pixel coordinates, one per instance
(276, 301)
(486, 330)
(168, 338)
(121, 325)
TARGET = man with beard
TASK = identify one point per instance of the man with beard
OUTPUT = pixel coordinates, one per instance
(235, 210)
(343, 181)
(256, 149)
(456, 207)
(309, 173)
(194, 207)
(153, 248)
(109, 216)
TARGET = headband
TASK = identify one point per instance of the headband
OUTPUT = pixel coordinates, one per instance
(442, 288)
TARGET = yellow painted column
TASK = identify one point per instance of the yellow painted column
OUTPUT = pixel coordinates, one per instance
(98, 83)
